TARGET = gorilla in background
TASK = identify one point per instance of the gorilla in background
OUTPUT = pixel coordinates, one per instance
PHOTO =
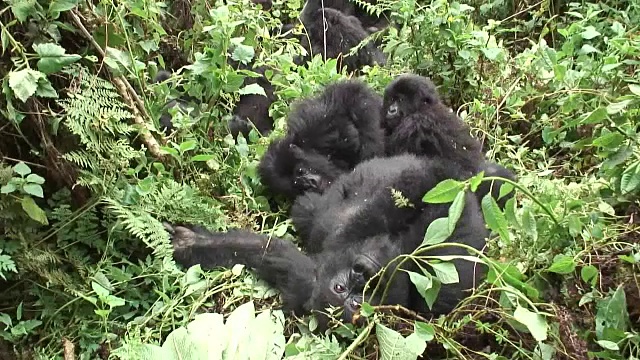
(350, 232)
(341, 34)
(371, 23)
(327, 135)
(416, 121)
(253, 109)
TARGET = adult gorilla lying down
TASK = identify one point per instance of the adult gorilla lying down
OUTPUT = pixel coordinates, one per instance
(349, 233)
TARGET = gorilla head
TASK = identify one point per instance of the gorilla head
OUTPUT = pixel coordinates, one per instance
(406, 95)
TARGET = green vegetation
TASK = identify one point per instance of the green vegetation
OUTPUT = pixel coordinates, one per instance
(86, 178)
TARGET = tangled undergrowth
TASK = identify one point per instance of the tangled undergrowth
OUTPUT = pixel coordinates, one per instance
(86, 266)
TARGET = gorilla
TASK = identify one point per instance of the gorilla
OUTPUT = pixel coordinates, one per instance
(416, 121)
(371, 23)
(166, 123)
(253, 108)
(333, 34)
(350, 233)
(327, 135)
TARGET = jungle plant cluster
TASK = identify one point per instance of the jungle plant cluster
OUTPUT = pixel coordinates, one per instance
(86, 178)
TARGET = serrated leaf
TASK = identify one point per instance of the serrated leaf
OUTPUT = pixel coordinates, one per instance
(446, 272)
(494, 217)
(243, 53)
(53, 57)
(562, 264)
(252, 89)
(635, 89)
(24, 83)
(444, 192)
(437, 232)
(33, 210)
(33, 189)
(393, 346)
(21, 169)
(455, 211)
(536, 323)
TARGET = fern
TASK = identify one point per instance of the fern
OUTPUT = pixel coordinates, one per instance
(94, 113)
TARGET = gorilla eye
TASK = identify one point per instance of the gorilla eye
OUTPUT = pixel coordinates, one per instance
(339, 288)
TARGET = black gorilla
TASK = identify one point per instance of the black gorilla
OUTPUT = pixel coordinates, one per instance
(333, 34)
(371, 23)
(417, 122)
(327, 134)
(253, 108)
(166, 123)
(350, 232)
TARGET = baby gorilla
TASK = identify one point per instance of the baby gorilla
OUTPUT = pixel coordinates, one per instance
(253, 109)
(333, 34)
(327, 135)
(370, 22)
(416, 121)
(350, 233)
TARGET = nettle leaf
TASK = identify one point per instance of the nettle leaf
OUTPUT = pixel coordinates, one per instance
(33, 210)
(24, 83)
(494, 217)
(437, 232)
(33, 189)
(252, 89)
(393, 346)
(21, 169)
(243, 53)
(536, 323)
(444, 192)
(563, 264)
(53, 57)
(446, 272)
(475, 181)
(455, 211)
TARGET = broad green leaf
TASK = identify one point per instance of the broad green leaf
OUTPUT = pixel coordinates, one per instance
(437, 232)
(7, 189)
(24, 83)
(609, 345)
(617, 107)
(393, 346)
(588, 49)
(596, 116)
(589, 274)
(36, 179)
(563, 264)
(45, 89)
(21, 169)
(252, 89)
(102, 280)
(113, 301)
(536, 323)
(609, 140)
(446, 272)
(188, 145)
(635, 89)
(492, 53)
(203, 157)
(475, 181)
(427, 287)
(243, 53)
(494, 217)
(444, 192)
(58, 6)
(21, 9)
(529, 224)
(612, 313)
(425, 331)
(505, 189)
(281, 229)
(630, 178)
(455, 211)
(99, 290)
(53, 57)
(33, 210)
(33, 189)
(589, 33)
(237, 326)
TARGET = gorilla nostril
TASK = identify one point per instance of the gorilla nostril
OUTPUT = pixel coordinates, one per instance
(355, 304)
(393, 110)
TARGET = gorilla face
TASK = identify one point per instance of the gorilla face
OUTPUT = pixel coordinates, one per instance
(312, 171)
(406, 95)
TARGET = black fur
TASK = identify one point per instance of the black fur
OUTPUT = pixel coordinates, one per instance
(166, 123)
(343, 32)
(417, 122)
(350, 232)
(253, 109)
(370, 22)
(327, 134)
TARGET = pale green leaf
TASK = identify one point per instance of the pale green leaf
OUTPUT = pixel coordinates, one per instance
(445, 272)
(444, 192)
(21, 169)
(437, 232)
(252, 89)
(33, 210)
(536, 323)
(33, 189)
(24, 83)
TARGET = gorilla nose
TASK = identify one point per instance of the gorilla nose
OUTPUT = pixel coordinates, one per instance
(393, 110)
(355, 304)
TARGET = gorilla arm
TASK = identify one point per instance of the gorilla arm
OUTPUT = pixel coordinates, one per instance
(278, 262)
